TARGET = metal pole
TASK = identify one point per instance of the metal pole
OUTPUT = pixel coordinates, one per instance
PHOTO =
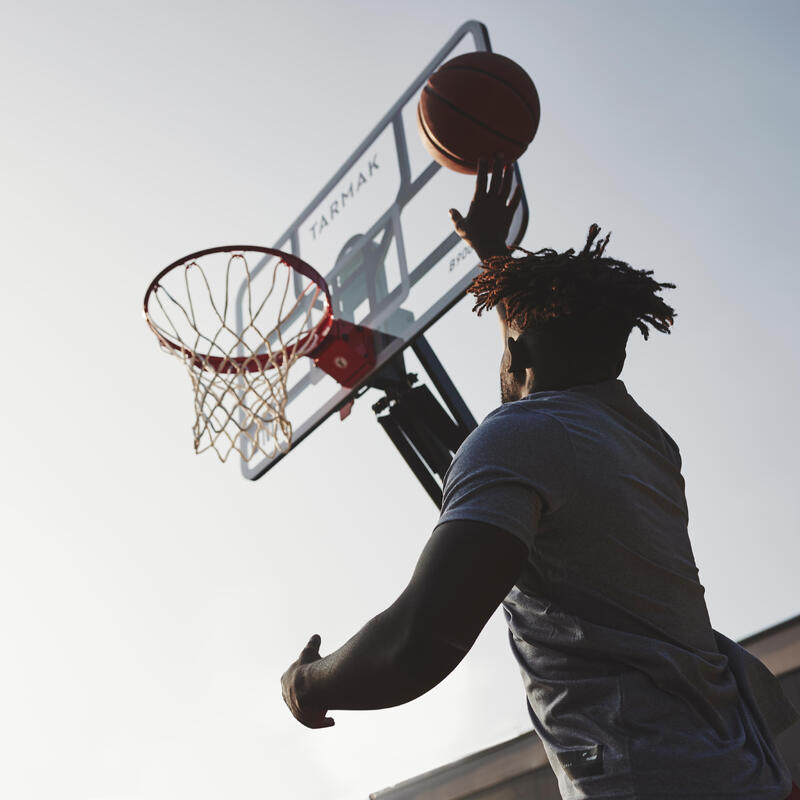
(445, 387)
(418, 467)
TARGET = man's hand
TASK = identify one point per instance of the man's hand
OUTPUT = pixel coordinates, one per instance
(294, 688)
(488, 220)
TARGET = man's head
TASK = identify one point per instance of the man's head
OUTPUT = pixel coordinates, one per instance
(566, 317)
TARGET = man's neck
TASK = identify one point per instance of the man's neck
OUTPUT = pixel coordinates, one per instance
(556, 383)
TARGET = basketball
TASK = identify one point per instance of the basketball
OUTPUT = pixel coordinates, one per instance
(477, 105)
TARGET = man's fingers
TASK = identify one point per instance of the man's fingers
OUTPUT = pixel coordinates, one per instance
(315, 722)
(508, 177)
(311, 719)
(515, 198)
(311, 651)
(456, 217)
(497, 174)
(480, 182)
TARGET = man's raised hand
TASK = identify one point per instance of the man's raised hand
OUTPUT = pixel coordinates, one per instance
(488, 221)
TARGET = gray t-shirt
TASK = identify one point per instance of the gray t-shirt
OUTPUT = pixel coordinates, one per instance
(631, 691)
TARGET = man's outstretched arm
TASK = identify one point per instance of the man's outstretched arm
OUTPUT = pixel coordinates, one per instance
(462, 576)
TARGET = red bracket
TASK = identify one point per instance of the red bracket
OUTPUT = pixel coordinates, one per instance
(348, 353)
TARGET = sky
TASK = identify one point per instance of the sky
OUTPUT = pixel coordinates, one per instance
(149, 598)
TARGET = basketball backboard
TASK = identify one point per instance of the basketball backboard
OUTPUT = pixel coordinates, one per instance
(380, 234)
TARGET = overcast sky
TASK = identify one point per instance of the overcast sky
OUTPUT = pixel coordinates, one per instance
(151, 598)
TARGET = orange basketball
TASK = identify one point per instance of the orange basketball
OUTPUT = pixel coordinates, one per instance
(477, 104)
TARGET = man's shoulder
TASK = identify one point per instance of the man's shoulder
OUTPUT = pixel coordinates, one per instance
(515, 465)
(513, 434)
(558, 421)
(541, 410)
(521, 415)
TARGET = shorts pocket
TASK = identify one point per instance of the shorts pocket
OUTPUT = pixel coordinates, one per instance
(582, 763)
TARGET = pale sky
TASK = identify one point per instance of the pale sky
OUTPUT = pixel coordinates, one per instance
(149, 598)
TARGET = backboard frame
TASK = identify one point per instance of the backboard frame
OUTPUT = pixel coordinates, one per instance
(389, 220)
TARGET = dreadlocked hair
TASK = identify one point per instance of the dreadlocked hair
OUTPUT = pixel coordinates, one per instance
(547, 287)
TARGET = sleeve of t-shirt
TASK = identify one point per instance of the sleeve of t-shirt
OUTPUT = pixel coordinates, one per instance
(515, 467)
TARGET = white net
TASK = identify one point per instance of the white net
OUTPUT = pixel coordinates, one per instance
(239, 320)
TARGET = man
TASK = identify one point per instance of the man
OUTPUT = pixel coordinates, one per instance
(567, 506)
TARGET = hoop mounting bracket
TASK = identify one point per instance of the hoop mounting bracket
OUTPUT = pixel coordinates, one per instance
(348, 353)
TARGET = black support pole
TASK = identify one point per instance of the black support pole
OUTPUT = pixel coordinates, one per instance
(418, 466)
(419, 427)
(445, 387)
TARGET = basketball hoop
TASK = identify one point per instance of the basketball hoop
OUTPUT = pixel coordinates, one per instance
(239, 366)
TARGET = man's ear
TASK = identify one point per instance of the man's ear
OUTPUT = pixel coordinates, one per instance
(520, 357)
